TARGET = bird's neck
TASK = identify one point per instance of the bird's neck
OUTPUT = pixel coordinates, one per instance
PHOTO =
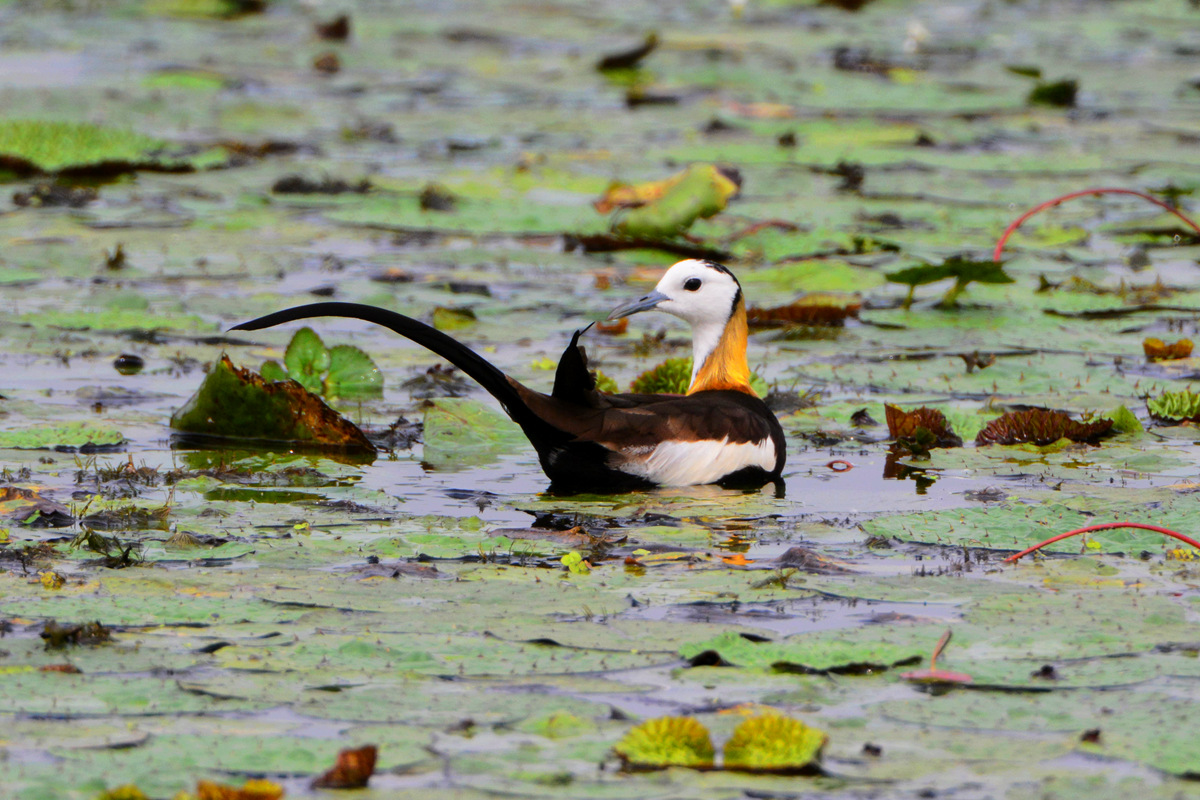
(719, 354)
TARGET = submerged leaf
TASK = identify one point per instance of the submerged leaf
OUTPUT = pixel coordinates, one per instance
(1175, 406)
(1041, 427)
(773, 743)
(1158, 350)
(238, 403)
(460, 432)
(667, 742)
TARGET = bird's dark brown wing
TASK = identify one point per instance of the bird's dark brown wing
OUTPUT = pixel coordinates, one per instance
(623, 422)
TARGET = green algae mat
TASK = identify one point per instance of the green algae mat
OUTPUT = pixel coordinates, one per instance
(177, 613)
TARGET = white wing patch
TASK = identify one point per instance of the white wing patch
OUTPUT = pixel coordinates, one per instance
(692, 463)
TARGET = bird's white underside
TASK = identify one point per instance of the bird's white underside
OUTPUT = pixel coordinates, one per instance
(675, 463)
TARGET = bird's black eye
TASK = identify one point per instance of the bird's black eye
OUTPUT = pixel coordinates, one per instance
(691, 284)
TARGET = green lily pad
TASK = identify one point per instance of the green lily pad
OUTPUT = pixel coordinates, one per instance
(860, 651)
(68, 436)
(306, 359)
(54, 147)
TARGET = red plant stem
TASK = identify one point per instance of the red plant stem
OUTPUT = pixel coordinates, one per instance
(1086, 192)
(1107, 526)
(937, 650)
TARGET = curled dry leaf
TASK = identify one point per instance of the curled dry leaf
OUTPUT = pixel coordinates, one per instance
(815, 309)
(1040, 426)
(1158, 350)
(352, 769)
(923, 426)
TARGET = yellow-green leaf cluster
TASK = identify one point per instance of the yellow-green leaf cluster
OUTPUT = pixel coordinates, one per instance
(667, 742)
(773, 743)
(1175, 406)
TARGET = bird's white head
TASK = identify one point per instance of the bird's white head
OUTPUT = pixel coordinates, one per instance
(702, 292)
(708, 296)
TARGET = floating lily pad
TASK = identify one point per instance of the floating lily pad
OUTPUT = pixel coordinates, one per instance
(665, 209)
(861, 651)
(40, 146)
(84, 436)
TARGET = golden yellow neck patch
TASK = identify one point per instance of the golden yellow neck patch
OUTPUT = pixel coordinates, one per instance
(726, 366)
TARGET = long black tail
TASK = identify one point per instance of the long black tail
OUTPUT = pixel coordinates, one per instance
(470, 362)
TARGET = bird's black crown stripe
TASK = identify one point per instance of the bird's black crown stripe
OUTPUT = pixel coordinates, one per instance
(720, 268)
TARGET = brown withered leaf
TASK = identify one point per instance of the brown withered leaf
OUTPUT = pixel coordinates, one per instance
(352, 769)
(252, 790)
(28, 506)
(336, 30)
(1158, 350)
(907, 426)
(630, 58)
(814, 309)
(615, 328)
(1040, 426)
(69, 669)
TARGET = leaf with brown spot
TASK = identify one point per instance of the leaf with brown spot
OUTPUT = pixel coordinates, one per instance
(1040, 426)
(352, 769)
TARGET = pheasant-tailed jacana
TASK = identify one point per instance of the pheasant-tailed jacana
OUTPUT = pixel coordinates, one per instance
(719, 432)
